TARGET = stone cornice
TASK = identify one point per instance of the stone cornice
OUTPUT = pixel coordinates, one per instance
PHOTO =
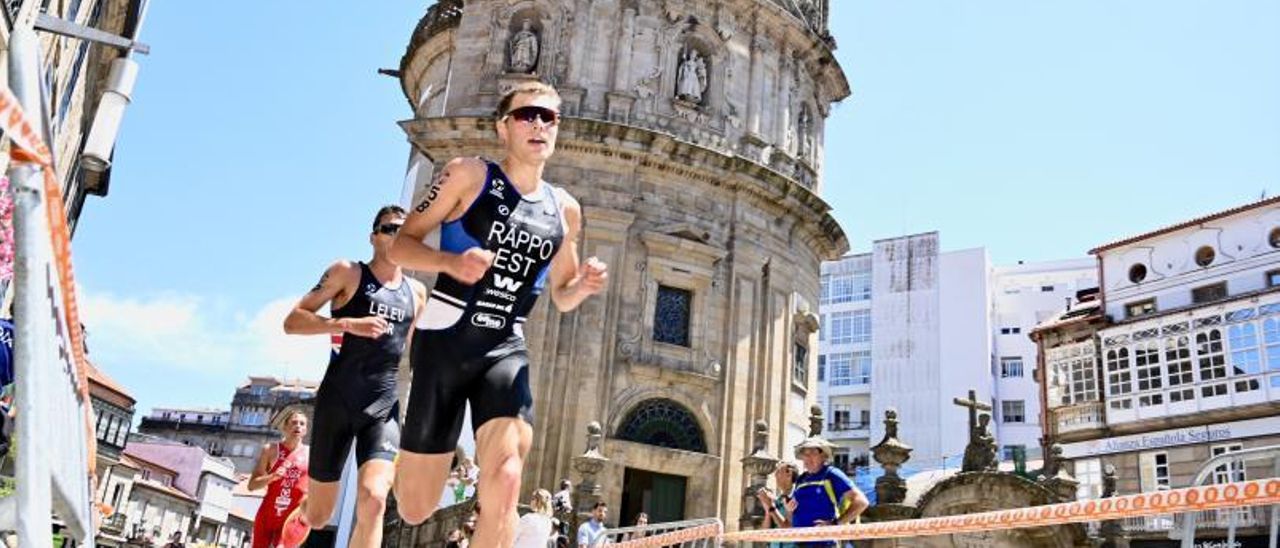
(650, 150)
(674, 246)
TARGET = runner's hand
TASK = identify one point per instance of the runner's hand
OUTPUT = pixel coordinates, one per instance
(370, 327)
(471, 265)
(592, 275)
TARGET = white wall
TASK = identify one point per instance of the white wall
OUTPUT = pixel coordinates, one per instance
(904, 333)
(1243, 256)
(1023, 296)
(964, 349)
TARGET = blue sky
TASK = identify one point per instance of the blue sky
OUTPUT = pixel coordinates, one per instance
(261, 140)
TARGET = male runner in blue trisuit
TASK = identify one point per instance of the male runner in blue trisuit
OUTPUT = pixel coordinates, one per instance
(505, 236)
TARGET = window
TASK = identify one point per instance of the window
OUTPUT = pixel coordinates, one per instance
(1080, 380)
(842, 417)
(851, 327)
(1140, 308)
(822, 367)
(671, 315)
(1205, 256)
(1209, 352)
(1213, 391)
(123, 436)
(1146, 360)
(845, 288)
(1148, 400)
(1046, 289)
(1186, 394)
(840, 369)
(1089, 473)
(822, 327)
(1153, 471)
(862, 286)
(862, 326)
(1209, 293)
(1010, 330)
(862, 367)
(1228, 473)
(800, 368)
(1013, 411)
(841, 460)
(77, 66)
(1126, 403)
(1273, 277)
(1274, 237)
(1137, 273)
(1271, 338)
(1119, 377)
(113, 428)
(1244, 349)
(1010, 367)
(1177, 359)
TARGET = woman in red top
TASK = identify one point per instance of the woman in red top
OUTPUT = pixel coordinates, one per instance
(282, 468)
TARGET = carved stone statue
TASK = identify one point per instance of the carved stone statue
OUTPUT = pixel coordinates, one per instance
(524, 49)
(980, 454)
(691, 79)
(804, 129)
(594, 435)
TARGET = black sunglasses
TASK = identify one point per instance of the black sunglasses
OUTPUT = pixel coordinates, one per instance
(389, 229)
(531, 113)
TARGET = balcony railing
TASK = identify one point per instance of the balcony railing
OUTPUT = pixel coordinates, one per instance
(115, 523)
(1085, 416)
(1210, 519)
(846, 426)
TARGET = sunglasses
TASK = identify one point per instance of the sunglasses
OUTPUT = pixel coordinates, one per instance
(389, 229)
(531, 113)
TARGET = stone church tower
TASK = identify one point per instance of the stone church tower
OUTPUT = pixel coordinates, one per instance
(693, 138)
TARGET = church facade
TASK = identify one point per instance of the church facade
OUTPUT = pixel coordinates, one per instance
(693, 137)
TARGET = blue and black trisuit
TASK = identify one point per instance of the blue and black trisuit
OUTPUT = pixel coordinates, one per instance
(469, 345)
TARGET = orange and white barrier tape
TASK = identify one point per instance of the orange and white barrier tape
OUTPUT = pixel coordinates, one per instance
(1176, 501)
(701, 532)
(29, 147)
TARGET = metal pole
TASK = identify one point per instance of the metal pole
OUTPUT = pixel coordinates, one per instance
(34, 473)
(1275, 508)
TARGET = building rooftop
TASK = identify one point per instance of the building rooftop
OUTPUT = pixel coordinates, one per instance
(1186, 224)
(98, 377)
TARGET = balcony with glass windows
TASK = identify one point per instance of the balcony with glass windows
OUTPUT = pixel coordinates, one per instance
(1225, 362)
(1078, 418)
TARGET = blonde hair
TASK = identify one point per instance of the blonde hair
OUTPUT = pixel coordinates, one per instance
(531, 88)
(282, 418)
(541, 502)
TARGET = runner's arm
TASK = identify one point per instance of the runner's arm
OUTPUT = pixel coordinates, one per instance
(571, 282)
(262, 470)
(456, 181)
(337, 284)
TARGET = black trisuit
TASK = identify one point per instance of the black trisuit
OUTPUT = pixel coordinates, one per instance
(357, 398)
(469, 345)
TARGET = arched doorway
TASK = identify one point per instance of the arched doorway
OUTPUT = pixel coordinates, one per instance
(659, 422)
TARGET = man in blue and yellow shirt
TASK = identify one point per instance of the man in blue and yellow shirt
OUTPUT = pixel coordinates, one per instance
(824, 494)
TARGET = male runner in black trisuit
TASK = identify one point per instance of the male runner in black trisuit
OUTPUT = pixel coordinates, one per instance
(373, 308)
(505, 235)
